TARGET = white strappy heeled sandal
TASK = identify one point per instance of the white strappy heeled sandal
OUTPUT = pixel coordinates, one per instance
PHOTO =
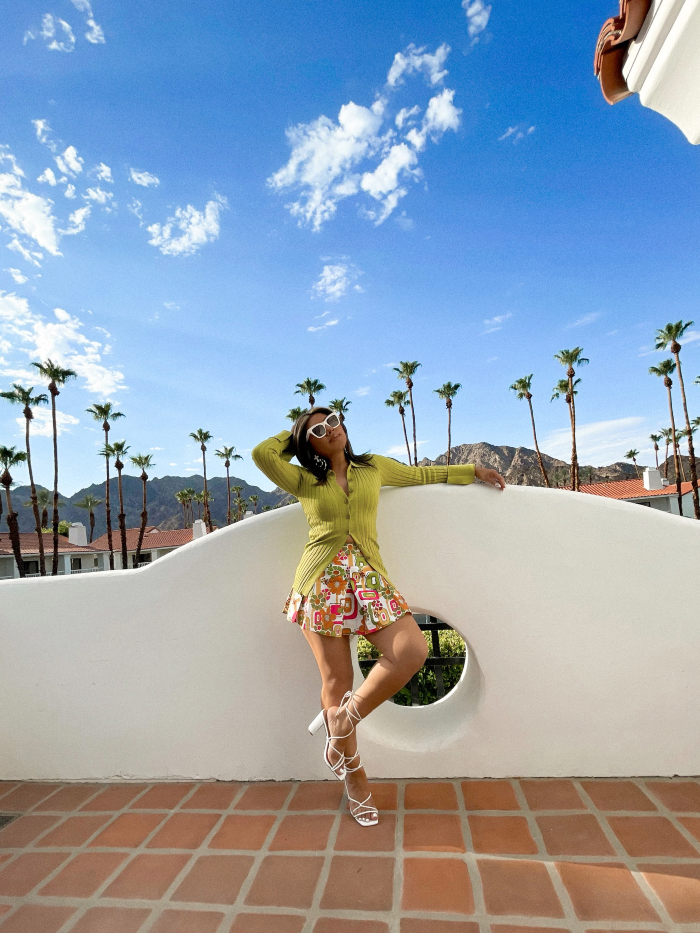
(365, 814)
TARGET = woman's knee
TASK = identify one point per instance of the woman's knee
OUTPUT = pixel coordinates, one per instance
(415, 653)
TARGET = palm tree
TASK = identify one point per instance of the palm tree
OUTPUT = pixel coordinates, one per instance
(184, 499)
(310, 387)
(254, 500)
(228, 454)
(190, 493)
(295, 413)
(667, 434)
(655, 438)
(106, 413)
(118, 449)
(340, 405)
(400, 399)
(9, 459)
(21, 396)
(142, 462)
(669, 337)
(90, 502)
(568, 391)
(679, 437)
(571, 358)
(632, 455)
(448, 392)
(237, 490)
(57, 376)
(202, 438)
(664, 370)
(43, 498)
(405, 371)
(522, 387)
(198, 499)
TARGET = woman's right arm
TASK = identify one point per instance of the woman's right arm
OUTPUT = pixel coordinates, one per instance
(272, 457)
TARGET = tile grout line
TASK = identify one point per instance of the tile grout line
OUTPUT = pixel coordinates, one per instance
(672, 816)
(570, 918)
(626, 859)
(399, 853)
(313, 912)
(480, 915)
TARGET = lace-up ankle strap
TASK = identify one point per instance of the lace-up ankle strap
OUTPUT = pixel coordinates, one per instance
(352, 711)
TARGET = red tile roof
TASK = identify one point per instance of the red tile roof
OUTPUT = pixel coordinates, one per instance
(153, 538)
(613, 43)
(29, 544)
(631, 489)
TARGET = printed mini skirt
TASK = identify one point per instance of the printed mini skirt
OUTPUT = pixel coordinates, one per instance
(349, 598)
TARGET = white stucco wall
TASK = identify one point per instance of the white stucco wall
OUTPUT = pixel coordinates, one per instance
(580, 614)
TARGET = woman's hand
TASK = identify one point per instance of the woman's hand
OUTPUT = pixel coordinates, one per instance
(490, 476)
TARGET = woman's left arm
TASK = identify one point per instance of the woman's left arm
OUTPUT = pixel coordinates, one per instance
(395, 473)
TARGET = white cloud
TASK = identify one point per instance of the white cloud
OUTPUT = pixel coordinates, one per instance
(25, 213)
(600, 442)
(70, 191)
(335, 280)
(94, 34)
(104, 198)
(145, 179)
(582, 321)
(323, 326)
(406, 223)
(17, 276)
(478, 14)
(57, 34)
(76, 221)
(102, 172)
(42, 425)
(323, 166)
(401, 448)
(42, 133)
(29, 335)
(69, 162)
(29, 255)
(413, 59)
(171, 306)
(136, 208)
(196, 228)
(495, 323)
(517, 133)
(363, 390)
(47, 176)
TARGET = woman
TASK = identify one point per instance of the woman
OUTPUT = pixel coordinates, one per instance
(341, 587)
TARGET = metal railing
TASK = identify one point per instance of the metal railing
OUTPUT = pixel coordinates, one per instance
(438, 662)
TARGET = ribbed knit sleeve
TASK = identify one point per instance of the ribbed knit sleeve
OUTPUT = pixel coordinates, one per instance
(395, 473)
(272, 457)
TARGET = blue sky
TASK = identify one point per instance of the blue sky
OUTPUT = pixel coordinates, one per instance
(204, 203)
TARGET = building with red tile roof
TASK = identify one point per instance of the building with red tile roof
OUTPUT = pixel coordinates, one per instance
(664, 498)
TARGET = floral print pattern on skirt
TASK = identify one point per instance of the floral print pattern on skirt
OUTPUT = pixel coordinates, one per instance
(349, 598)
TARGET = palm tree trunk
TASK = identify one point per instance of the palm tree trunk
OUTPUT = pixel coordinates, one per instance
(413, 418)
(403, 422)
(54, 523)
(573, 450)
(691, 449)
(108, 511)
(228, 498)
(12, 524)
(666, 461)
(449, 429)
(122, 517)
(537, 449)
(92, 525)
(675, 450)
(144, 519)
(35, 504)
(207, 515)
(574, 461)
(656, 454)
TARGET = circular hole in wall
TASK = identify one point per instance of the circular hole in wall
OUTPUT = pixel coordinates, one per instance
(442, 670)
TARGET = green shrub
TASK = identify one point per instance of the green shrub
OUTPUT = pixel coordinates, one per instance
(451, 645)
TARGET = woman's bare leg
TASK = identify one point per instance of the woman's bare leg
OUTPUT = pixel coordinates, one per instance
(404, 651)
(334, 661)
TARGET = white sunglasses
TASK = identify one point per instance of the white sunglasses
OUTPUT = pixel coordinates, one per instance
(321, 429)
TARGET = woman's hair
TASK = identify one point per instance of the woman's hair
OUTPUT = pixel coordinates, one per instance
(307, 456)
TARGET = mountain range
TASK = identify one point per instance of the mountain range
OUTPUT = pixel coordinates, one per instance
(518, 466)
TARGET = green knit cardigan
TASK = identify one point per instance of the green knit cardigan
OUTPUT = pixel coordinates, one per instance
(332, 515)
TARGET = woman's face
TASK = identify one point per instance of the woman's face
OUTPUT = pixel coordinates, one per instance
(333, 441)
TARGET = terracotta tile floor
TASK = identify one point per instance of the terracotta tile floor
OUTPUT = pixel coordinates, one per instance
(472, 856)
